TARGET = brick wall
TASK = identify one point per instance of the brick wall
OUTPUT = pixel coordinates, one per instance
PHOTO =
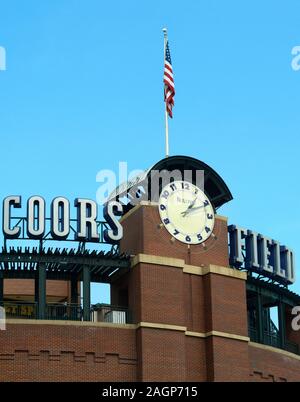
(266, 365)
(187, 327)
(67, 353)
(43, 352)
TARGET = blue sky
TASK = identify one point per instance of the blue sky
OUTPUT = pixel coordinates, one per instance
(83, 91)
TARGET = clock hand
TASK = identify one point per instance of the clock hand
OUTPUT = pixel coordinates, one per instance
(192, 204)
(189, 210)
(189, 207)
(201, 206)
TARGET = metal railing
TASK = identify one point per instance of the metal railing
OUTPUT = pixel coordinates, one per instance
(63, 311)
(273, 339)
(109, 313)
(68, 311)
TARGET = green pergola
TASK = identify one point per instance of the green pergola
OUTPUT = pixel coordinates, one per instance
(61, 264)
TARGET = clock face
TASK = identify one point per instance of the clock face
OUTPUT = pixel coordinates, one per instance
(186, 212)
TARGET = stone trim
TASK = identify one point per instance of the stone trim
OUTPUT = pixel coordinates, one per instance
(70, 323)
(276, 350)
(160, 326)
(142, 324)
(218, 334)
(188, 269)
(157, 260)
(228, 335)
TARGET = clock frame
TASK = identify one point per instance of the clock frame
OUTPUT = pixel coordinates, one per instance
(186, 212)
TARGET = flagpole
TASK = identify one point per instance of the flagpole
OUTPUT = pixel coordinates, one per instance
(166, 112)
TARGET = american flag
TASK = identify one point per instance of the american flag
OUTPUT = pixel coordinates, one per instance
(169, 90)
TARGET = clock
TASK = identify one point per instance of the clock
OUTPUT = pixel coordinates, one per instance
(186, 212)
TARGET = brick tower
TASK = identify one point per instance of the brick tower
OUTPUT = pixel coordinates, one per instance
(189, 304)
